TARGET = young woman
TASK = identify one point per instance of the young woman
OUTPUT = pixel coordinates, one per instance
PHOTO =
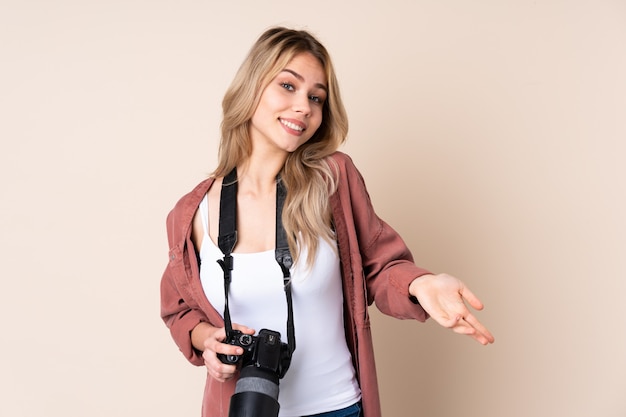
(284, 122)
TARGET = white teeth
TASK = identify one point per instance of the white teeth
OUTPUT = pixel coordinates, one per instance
(291, 125)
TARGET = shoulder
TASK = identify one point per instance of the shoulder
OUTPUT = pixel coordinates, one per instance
(343, 160)
(180, 218)
(347, 173)
(192, 199)
(344, 166)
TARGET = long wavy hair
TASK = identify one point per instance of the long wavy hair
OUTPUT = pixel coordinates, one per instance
(307, 174)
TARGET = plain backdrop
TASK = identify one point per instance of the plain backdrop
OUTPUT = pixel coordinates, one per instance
(491, 134)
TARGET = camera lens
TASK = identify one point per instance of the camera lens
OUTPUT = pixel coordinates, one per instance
(256, 394)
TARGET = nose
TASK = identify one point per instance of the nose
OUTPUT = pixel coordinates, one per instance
(301, 104)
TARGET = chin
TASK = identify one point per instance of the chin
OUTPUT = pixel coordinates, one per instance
(293, 147)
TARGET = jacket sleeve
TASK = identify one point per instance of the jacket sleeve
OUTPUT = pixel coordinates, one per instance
(179, 309)
(388, 265)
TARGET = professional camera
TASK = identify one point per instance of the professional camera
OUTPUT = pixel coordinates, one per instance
(265, 360)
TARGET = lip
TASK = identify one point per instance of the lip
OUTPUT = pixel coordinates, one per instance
(296, 122)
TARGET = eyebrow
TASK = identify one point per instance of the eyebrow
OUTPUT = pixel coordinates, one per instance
(301, 78)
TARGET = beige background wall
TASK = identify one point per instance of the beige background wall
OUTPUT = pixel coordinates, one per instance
(491, 134)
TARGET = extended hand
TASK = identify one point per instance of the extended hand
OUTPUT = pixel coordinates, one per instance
(443, 297)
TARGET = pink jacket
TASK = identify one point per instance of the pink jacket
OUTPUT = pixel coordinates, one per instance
(376, 267)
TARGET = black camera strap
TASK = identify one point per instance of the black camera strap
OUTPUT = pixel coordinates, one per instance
(227, 239)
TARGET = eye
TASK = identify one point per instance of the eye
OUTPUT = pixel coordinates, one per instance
(287, 86)
(316, 99)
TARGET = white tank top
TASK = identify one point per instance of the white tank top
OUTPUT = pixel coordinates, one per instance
(321, 377)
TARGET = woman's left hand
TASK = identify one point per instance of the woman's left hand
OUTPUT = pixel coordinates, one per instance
(443, 297)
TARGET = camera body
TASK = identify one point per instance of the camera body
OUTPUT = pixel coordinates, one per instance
(264, 351)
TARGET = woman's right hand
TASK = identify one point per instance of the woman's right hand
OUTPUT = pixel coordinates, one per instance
(210, 341)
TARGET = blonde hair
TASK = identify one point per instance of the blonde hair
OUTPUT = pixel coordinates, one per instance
(307, 173)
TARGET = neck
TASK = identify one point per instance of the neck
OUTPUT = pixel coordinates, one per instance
(258, 173)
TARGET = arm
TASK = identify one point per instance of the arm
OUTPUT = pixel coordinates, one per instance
(179, 307)
(372, 249)
(180, 318)
(395, 283)
(196, 338)
(192, 327)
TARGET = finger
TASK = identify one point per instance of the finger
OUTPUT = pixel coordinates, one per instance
(449, 321)
(468, 295)
(243, 329)
(480, 338)
(216, 368)
(465, 328)
(474, 322)
(471, 320)
(220, 374)
(225, 349)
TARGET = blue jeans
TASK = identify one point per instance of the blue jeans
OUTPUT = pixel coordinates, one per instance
(353, 411)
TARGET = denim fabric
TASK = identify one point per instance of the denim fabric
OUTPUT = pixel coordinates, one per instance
(353, 411)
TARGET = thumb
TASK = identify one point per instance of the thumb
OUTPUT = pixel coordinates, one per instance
(469, 296)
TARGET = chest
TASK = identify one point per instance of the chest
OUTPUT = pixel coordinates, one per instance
(256, 220)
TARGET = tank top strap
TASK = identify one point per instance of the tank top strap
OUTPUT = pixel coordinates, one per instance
(204, 214)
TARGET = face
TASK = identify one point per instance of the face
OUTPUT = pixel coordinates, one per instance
(290, 108)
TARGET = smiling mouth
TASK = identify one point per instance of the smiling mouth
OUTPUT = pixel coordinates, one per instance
(292, 126)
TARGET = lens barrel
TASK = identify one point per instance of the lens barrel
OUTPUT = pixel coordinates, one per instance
(256, 394)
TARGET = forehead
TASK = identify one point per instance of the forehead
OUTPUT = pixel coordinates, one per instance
(307, 66)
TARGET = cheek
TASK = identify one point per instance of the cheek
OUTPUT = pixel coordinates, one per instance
(266, 105)
(314, 128)
(273, 100)
(319, 118)
(265, 109)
